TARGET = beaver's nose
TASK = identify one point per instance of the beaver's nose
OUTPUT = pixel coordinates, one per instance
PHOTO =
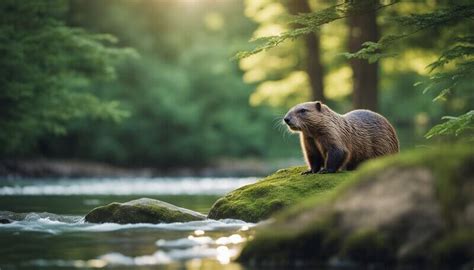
(287, 120)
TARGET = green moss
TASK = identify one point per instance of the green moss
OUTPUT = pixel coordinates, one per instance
(312, 224)
(286, 187)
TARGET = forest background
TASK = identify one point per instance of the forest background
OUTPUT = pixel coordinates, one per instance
(154, 83)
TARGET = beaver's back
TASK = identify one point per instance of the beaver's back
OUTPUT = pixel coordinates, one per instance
(369, 135)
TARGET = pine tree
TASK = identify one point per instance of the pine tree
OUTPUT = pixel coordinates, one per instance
(363, 28)
(313, 65)
(46, 71)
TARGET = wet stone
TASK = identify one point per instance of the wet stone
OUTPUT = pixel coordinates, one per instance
(143, 210)
(5, 221)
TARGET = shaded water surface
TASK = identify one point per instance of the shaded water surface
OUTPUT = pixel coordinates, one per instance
(48, 231)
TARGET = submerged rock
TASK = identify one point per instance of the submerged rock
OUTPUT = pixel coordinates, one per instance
(415, 208)
(258, 201)
(5, 221)
(142, 211)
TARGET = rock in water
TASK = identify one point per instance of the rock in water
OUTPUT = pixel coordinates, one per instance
(5, 221)
(143, 210)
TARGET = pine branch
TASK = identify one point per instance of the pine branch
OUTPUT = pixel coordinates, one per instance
(454, 126)
(462, 54)
(418, 22)
(464, 47)
(311, 22)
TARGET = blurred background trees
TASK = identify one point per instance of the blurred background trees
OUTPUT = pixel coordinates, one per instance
(185, 101)
(362, 24)
(151, 83)
(46, 71)
(413, 35)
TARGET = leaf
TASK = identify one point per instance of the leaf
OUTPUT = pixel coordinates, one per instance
(442, 95)
(417, 84)
(428, 88)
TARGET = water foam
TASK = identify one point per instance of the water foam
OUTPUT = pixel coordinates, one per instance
(55, 224)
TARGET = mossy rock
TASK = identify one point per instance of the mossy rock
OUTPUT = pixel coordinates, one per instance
(258, 201)
(415, 208)
(142, 211)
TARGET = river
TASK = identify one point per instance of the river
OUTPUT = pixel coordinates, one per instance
(49, 231)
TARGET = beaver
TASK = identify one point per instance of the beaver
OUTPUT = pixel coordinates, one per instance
(333, 142)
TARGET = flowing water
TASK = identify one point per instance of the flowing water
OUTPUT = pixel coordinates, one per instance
(48, 231)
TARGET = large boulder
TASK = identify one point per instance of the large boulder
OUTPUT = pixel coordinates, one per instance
(142, 211)
(286, 187)
(415, 208)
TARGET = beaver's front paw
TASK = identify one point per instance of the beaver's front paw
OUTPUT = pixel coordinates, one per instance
(307, 172)
(324, 171)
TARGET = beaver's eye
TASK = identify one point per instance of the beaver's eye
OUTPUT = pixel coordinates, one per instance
(302, 111)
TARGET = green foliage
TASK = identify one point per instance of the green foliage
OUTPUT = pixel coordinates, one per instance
(309, 23)
(46, 71)
(454, 68)
(443, 81)
(187, 102)
(454, 125)
(283, 74)
(415, 23)
(183, 103)
(447, 80)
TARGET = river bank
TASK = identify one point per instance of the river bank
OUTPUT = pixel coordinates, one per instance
(45, 168)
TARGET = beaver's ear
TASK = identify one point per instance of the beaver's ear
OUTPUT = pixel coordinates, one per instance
(318, 106)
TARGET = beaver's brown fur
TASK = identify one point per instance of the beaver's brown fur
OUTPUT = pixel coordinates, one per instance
(332, 142)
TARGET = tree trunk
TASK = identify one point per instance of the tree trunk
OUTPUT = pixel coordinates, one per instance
(362, 28)
(313, 65)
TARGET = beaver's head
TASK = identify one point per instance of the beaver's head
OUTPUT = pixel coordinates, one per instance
(304, 115)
